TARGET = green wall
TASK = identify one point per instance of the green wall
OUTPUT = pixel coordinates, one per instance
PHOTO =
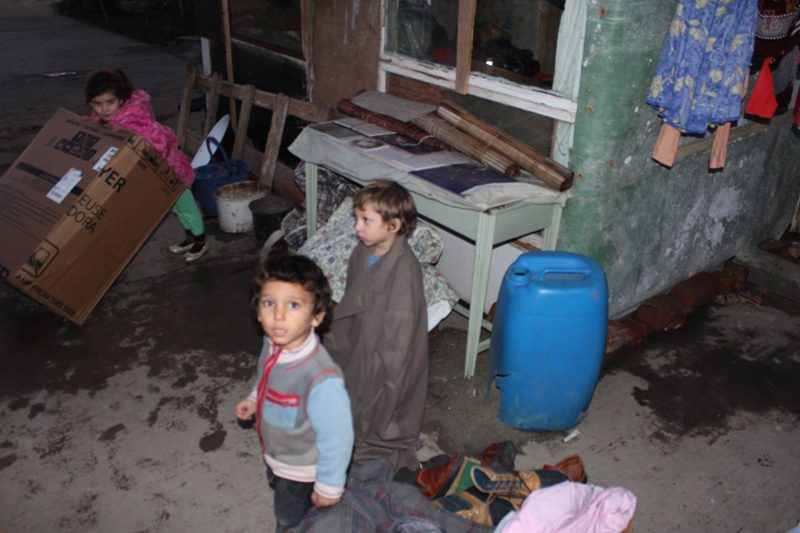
(649, 226)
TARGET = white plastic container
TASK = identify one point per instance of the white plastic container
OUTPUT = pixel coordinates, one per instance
(233, 205)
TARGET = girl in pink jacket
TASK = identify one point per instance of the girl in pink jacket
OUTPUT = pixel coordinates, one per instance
(112, 100)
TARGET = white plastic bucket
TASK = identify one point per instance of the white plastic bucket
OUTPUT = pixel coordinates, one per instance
(233, 205)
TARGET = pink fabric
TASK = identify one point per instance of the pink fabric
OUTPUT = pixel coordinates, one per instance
(137, 115)
(574, 508)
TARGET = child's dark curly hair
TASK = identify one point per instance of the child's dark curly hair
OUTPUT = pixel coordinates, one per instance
(108, 80)
(301, 270)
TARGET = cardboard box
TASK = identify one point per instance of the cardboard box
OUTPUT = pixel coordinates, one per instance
(74, 209)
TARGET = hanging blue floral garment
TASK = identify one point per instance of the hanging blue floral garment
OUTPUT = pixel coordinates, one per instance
(703, 68)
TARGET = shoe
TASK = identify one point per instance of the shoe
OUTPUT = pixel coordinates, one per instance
(434, 479)
(572, 467)
(183, 246)
(196, 251)
(477, 507)
(517, 484)
(499, 455)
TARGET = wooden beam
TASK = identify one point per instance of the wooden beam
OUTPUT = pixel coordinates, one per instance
(307, 43)
(192, 142)
(212, 102)
(307, 30)
(244, 121)
(466, 29)
(533, 99)
(226, 34)
(265, 100)
(736, 133)
(186, 104)
(274, 137)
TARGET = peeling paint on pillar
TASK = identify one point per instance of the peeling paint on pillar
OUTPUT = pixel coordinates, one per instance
(649, 226)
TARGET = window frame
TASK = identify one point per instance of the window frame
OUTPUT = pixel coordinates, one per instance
(302, 54)
(560, 103)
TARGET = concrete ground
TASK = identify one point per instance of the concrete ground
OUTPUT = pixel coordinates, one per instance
(125, 423)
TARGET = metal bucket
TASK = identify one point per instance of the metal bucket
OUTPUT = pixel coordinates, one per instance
(233, 205)
(268, 212)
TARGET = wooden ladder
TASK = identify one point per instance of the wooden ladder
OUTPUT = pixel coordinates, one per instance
(261, 163)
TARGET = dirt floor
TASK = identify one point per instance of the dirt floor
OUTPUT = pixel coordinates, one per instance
(127, 422)
(709, 378)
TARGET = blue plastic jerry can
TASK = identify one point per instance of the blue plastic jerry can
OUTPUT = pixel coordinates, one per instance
(548, 339)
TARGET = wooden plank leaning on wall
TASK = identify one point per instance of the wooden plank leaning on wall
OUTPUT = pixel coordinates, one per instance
(466, 29)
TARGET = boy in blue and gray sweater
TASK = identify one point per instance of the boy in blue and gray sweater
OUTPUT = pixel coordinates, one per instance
(301, 407)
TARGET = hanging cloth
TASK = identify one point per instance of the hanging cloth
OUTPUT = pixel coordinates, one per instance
(701, 74)
(762, 102)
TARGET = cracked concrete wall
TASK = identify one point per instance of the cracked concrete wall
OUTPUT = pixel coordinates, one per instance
(649, 226)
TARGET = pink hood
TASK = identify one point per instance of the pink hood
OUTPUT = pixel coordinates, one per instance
(136, 115)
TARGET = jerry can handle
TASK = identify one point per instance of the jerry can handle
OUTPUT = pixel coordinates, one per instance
(564, 274)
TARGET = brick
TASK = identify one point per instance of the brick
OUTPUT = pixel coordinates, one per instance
(697, 290)
(729, 282)
(663, 312)
(774, 247)
(622, 333)
(736, 270)
(616, 336)
(638, 330)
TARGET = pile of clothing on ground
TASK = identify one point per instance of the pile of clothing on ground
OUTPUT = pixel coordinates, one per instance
(465, 493)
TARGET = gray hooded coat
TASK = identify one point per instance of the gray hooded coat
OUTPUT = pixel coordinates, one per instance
(379, 338)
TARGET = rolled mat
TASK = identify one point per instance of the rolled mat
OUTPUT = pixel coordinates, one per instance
(347, 107)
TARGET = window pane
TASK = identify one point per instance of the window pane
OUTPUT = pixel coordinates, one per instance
(423, 30)
(516, 40)
(268, 22)
(513, 39)
(532, 129)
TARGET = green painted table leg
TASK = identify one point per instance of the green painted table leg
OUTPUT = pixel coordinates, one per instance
(550, 233)
(480, 280)
(311, 199)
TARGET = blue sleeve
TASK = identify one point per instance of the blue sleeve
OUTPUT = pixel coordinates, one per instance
(330, 416)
